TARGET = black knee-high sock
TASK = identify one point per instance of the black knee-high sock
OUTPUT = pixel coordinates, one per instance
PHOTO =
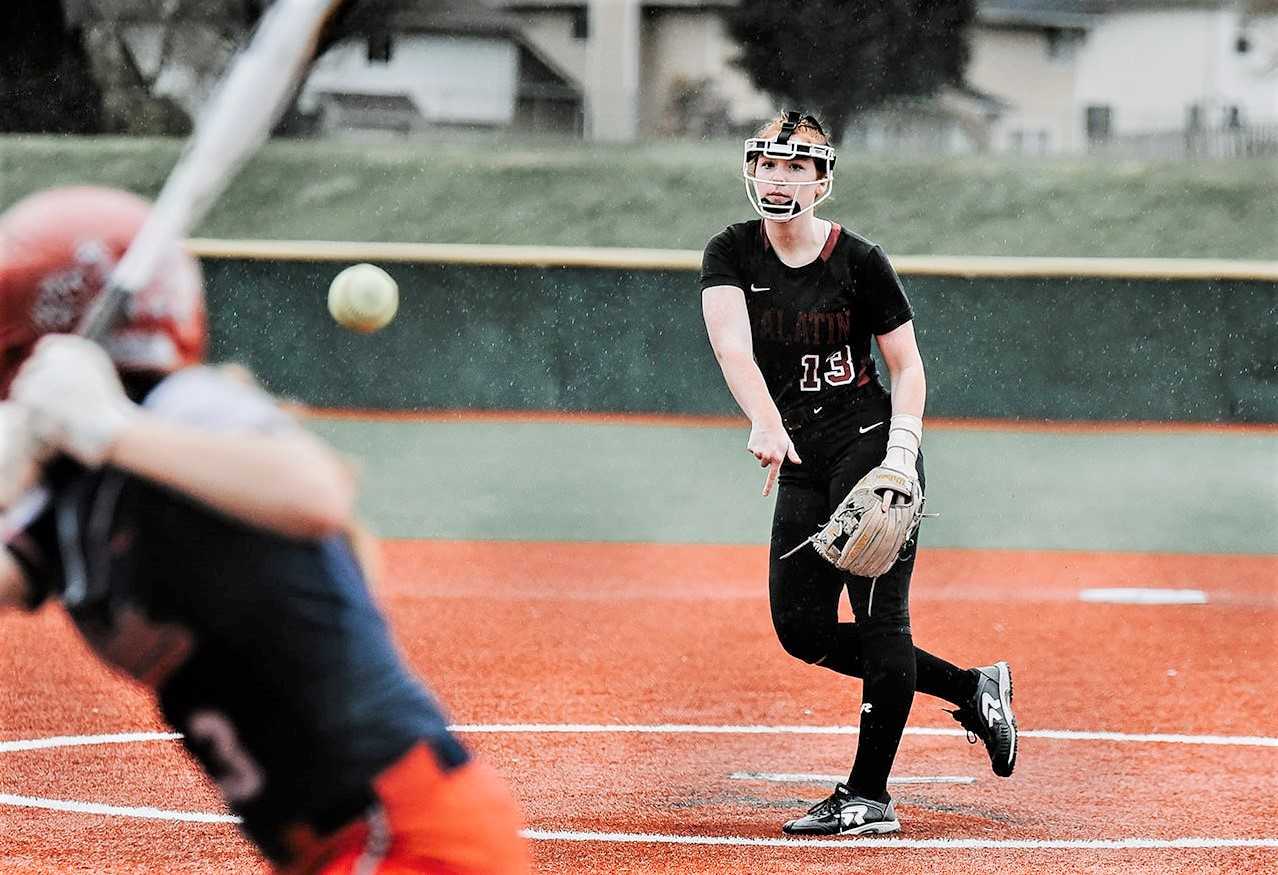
(936, 677)
(846, 658)
(889, 662)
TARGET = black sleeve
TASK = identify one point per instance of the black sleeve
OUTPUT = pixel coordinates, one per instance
(881, 294)
(719, 265)
(36, 551)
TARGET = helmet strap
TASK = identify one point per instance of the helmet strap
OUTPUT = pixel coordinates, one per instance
(788, 126)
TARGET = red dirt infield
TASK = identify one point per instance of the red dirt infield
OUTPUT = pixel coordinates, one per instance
(635, 697)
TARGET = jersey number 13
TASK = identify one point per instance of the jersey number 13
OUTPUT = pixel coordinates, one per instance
(838, 372)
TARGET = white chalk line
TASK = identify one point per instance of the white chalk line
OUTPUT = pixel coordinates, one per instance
(144, 812)
(936, 844)
(715, 729)
(702, 729)
(731, 841)
(1142, 595)
(151, 813)
(85, 740)
(808, 778)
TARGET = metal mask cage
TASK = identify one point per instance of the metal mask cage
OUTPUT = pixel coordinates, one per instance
(785, 149)
(771, 148)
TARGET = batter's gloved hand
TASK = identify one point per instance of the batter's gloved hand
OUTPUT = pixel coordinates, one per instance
(866, 535)
(73, 394)
(19, 453)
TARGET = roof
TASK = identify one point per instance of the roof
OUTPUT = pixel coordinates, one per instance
(1084, 14)
(647, 4)
(1069, 14)
(1101, 7)
(471, 17)
(1028, 11)
(363, 16)
(1092, 7)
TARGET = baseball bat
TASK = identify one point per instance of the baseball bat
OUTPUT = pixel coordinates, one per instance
(235, 122)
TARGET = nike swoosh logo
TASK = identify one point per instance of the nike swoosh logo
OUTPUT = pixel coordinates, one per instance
(755, 288)
(816, 410)
(870, 427)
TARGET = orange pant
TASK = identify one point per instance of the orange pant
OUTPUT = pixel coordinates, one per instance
(462, 822)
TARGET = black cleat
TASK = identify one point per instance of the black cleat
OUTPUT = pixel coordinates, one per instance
(841, 813)
(988, 716)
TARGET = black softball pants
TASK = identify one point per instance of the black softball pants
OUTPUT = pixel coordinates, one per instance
(805, 591)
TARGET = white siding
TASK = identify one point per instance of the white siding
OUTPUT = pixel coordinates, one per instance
(1014, 65)
(694, 45)
(1148, 66)
(450, 79)
(1249, 80)
(550, 31)
(749, 104)
(1152, 66)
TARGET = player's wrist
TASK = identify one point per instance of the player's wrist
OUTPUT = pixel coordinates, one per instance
(898, 459)
(905, 434)
(98, 441)
(770, 421)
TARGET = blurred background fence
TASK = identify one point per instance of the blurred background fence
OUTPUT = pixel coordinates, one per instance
(1252, 141)
(529, 328)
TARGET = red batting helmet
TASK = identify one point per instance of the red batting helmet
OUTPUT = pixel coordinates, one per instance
(57, 250)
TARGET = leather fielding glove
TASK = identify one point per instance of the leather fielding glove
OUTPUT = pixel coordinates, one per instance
(861, 537)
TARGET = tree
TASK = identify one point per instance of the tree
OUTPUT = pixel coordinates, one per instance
(44, 74)
(843, 57)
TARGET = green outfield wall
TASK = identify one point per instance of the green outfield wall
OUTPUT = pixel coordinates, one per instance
(621, 330)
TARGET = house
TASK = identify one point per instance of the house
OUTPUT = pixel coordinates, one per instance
(647, 67)
(446, 64)
(954, 121)
(1045, 76)
(682, 61)
(609, 69)
(1181, 78)
(1027, 53)
(680, 57)
(1146, 76)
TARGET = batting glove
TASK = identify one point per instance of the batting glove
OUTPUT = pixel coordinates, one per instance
(73, 394)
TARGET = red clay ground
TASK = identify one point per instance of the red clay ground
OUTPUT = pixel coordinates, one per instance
(645, 636)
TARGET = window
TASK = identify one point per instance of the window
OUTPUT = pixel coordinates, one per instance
(379, 48)
(1029, 142)
(1100, 123)
(581, 22)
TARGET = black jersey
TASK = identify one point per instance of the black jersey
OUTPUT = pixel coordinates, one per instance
(266, 652)
(811, 325)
